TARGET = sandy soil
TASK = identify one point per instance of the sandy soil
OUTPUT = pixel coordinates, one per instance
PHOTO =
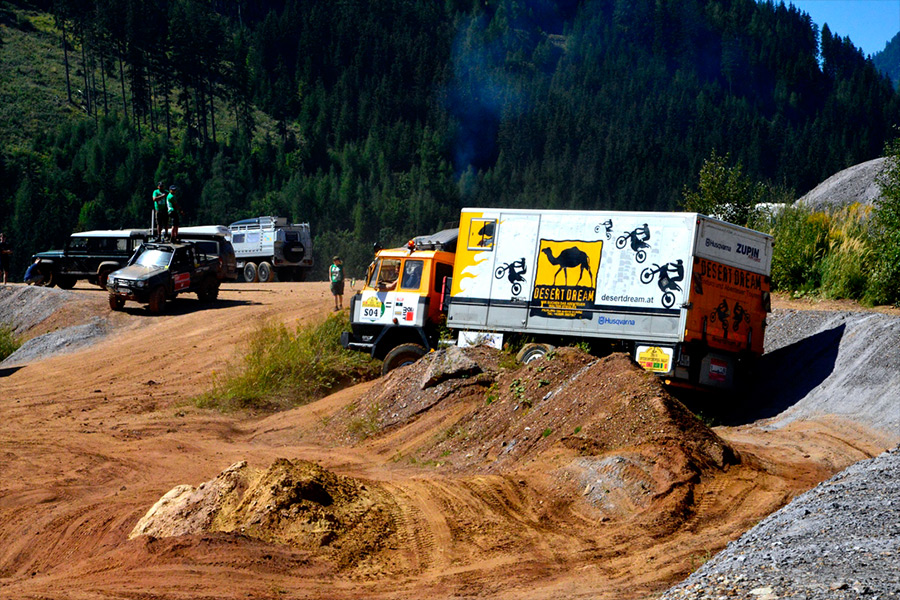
(94, 438)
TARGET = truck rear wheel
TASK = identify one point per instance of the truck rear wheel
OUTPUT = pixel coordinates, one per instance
(66, 282)
(249, 272)
(157, 301)
(102, 277)
(209, 291)
(402, 355)
(265, 273)
(530, 352)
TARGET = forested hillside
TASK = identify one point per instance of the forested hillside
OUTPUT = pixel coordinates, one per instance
(888, 60)
(378, 119)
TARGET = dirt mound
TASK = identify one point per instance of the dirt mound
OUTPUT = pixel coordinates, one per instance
(295, 503)
(606, 429)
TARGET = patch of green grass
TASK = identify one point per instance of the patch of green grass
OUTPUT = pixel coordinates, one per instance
(365, 426)
(284, 368)
(546, 433)
(9, 343)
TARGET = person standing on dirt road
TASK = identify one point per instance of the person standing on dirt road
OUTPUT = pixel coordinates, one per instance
(159, 209)
(174, 210)
(5, 254)
(336, 272)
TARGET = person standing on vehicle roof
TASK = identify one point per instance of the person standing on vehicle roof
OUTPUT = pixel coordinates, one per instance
(336, 272)
(159, 209)
(174, 210)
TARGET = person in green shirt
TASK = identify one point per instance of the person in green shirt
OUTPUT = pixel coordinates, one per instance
(159, 209)
(336, 271)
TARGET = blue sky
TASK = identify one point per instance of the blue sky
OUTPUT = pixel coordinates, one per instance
(870, 24)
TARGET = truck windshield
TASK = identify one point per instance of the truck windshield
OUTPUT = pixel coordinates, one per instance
(385, 273)
(154, 258)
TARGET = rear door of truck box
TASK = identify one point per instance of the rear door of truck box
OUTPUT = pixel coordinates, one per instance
(730, 287)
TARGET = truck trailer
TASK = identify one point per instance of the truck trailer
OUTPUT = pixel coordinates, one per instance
(685, 294)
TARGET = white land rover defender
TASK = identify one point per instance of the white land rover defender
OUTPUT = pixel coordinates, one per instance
(270, 247)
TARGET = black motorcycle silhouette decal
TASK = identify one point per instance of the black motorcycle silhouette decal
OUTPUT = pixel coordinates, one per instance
(669, 276)
(513, 272)
(606, 225)
(638, 238)
(722, 313)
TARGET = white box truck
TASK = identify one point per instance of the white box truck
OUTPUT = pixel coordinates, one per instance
(270, 247)
(687, 295)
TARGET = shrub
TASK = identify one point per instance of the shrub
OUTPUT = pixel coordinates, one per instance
(283, 369)
(801, 241)
(9, 343)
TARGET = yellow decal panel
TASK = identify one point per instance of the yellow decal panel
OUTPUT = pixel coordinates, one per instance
(654, 358)
(566, 277)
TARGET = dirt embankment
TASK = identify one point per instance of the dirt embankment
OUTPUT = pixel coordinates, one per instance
(459, 476)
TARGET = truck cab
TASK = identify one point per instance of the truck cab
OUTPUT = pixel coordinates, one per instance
(397, 315)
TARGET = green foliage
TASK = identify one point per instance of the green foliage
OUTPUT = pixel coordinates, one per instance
(9, 343)
(284, 368)
(801, 241)
(884, 287)
(724, 192)
(376, 120)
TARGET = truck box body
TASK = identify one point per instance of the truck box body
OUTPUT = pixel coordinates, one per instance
(266, 246)
(688, 294)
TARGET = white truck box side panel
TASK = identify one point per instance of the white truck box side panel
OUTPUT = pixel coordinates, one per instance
(581, 273)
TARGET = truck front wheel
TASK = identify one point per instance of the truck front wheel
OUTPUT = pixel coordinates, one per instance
(157, 300)
(402, 355)
(115, 302)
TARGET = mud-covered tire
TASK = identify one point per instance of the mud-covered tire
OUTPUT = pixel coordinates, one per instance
(402, 355)
(249, 272)
(265, 273)
(116, 302)
(531, 352)
(66, 282)
(157, 302)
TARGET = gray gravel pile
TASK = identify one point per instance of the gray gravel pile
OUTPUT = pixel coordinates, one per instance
(830, 363)
(838, 541)
(60, 341)
(858, 183)
(23, 307)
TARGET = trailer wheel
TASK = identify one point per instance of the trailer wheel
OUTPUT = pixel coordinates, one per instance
(531, 352)
(402, 355)
(265, 273)
(250, 272)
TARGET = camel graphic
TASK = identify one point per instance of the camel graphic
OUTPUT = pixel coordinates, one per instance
(569, 259)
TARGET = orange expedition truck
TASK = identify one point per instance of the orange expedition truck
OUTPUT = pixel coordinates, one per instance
(685, 294)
